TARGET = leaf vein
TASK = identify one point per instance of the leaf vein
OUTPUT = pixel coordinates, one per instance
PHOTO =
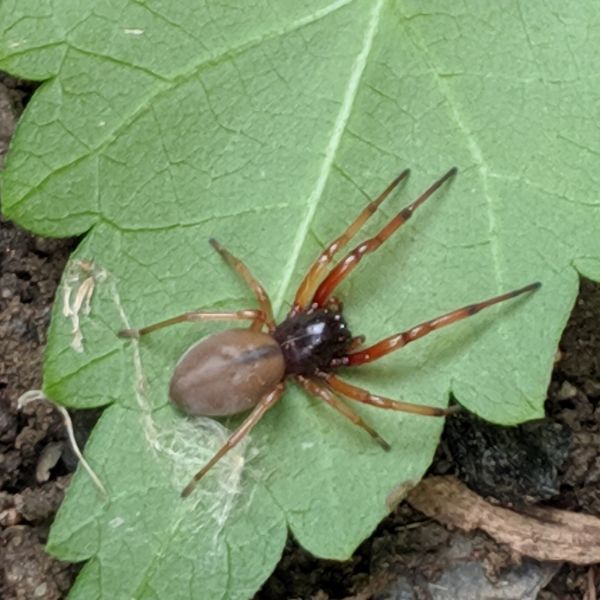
(326, 166)
(474, 149)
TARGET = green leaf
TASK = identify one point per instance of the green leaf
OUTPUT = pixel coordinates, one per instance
(162, 124)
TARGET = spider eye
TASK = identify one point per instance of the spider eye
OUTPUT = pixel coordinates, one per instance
(316, 328)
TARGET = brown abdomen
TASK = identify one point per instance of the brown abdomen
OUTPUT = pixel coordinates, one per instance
(226, 373)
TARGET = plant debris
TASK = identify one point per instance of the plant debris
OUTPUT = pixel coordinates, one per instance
(543, 533)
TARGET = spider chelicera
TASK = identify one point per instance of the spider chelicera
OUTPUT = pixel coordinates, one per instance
(240, 369)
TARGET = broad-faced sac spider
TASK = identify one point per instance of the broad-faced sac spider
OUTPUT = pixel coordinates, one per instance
(244, 369)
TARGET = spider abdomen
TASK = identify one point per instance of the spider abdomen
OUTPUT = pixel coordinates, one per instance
(226, 373)
(310, 340)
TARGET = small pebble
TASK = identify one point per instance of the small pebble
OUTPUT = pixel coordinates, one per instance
(567, 391)
(10, 517)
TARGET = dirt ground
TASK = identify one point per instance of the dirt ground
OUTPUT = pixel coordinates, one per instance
(409, 554)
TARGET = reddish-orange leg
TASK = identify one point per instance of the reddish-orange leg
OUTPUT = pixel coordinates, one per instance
(316, 388)
(334, 304)
(236, 437)
(197, 315)
(399, 340)
(311, 279)
(357, 342)
(351, 260)
(324, 384)
(253, 284)
(356, 393)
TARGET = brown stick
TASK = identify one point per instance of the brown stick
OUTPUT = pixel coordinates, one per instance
(543, 533)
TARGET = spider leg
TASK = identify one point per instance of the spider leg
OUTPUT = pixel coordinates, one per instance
(312, 277)
(334, 304)
(316, 388)
(361, 395)
(347, 264)
(236, 437)
(253, 284)
(197, 315)
(356, 343)
(400, 340)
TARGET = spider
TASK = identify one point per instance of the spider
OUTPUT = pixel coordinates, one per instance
(239, 369)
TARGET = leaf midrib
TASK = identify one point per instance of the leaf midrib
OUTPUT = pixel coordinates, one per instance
(339, 127)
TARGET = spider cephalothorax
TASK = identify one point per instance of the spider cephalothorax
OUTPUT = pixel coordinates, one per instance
(310, 340)
(238, 369)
